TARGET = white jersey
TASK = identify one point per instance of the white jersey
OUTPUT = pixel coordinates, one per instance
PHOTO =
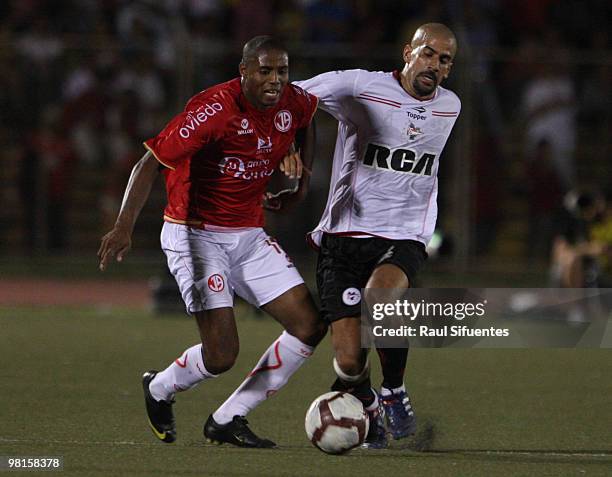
(384, 177)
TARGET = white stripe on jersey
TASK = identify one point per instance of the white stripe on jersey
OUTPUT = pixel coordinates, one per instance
(384, 175)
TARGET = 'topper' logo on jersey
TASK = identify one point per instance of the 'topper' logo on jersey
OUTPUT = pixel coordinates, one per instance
(398, 160)
(282, 120)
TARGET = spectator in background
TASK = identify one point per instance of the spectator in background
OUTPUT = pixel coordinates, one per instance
(545, 189)
(48, 165)
(577, 254)
(84, 116)
(548, 106)
(487, 187)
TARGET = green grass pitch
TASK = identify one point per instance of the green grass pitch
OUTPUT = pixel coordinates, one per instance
(70, 386)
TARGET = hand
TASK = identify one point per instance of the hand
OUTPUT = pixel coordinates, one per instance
(115, 243)
(282, 201)
(291, 164)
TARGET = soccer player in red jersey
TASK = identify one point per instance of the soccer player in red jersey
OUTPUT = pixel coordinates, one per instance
(217, 157)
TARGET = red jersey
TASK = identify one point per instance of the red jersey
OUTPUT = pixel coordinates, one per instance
(220, 152)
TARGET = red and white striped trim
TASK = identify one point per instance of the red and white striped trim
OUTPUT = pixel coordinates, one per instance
(445, 114)
(378, 99)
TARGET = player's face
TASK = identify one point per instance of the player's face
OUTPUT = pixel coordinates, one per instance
(265, 77)
(429, 63)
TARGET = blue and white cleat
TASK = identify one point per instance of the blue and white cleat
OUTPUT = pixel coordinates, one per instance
(400, 417)
(377, 434)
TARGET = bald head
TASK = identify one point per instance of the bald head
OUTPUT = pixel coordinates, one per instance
(429, 58)
(429, 31)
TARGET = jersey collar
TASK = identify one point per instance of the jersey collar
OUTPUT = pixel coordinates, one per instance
(246, 106)
(396, 75)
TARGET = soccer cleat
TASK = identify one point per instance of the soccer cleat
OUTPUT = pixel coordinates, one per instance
(400, 417)
(377, 435)
(236, 432)
(161, 418)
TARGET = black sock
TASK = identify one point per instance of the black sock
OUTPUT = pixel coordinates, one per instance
(393, 363)
(361, 390)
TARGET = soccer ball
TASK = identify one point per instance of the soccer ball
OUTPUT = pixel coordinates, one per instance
(336, 422)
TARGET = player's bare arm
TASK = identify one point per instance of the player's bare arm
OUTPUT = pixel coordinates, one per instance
(118, 241)
(297, 163)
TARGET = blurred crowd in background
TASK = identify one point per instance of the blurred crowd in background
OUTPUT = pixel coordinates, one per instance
(85, 82)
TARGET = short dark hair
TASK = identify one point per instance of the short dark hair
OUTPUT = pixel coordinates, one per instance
(255, 45)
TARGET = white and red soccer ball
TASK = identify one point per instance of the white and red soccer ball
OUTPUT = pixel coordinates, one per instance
(336, 422)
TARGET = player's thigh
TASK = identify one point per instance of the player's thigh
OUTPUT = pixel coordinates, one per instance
(199, 262)
(388, 275)
(342, 271)
(261, 270)
(399, 264)
(295, 310)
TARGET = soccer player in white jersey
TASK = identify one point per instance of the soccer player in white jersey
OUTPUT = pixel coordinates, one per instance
(381, 210)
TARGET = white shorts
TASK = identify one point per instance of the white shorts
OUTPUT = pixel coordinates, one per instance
(210, 266)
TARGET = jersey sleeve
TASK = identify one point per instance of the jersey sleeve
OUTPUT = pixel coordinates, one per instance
(308, 105)
(200, 124)
(334, 90)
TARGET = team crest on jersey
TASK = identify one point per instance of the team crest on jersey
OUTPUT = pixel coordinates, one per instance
(216, 282)
(351, 296)
(282, 120)
(413, 132)
(244, 124)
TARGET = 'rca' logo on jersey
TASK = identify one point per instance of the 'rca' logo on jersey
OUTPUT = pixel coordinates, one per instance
(351, 296)
(216, 283)
(402, 160)
(196, 119)
(282, 120)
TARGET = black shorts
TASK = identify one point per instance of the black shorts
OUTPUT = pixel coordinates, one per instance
(345, 265)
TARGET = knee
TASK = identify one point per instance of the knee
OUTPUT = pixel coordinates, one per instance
(350, 362)
(218, 361)
(306, 324)
(309, 332)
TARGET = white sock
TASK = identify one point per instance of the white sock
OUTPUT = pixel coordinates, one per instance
(183, 374)
(374, 406)
(275, 367)
(387, 392)
(347, 378)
